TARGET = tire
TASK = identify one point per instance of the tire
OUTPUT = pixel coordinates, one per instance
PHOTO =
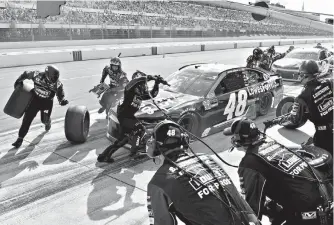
(77, 122)
(284, 107)
(315, 157)
(264, 104)
(189, 121)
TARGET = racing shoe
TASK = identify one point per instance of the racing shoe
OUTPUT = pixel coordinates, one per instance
(103, 158)
(18, 142)
(101, 110)
(48, 126)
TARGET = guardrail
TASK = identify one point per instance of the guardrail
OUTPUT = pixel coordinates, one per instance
(13, 59)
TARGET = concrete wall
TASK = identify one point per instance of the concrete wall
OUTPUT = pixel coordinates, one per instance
(40, 44)
(56, 56)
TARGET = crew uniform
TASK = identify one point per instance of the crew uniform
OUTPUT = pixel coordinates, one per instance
(134, 93)
(118, 81)
(253, 60)
(46, 87)
(269, 57)
(270, 170)
(197, 193)
(315, 102)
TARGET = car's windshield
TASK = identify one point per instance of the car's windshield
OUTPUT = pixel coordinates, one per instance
(303, 55)
(192, 81)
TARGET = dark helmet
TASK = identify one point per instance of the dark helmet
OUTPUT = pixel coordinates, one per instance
(167, 135)
(257, 51)
(52, 73)
(138, 74)
(309, 68)
(244, 132)
(319, 44)
(139, 85)
(116, 62)
(271, 50)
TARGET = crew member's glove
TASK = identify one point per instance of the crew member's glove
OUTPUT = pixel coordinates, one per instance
(63, 102)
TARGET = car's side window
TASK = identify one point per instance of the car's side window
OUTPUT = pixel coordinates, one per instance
(254, 77)
(231, 82)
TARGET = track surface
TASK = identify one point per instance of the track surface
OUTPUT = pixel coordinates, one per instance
(50, 181)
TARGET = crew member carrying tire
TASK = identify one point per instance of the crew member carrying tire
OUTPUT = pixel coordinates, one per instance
(134, 93)
(299, 193)
(316, 98)
(46, 86)
(117, 79)
(194, 188)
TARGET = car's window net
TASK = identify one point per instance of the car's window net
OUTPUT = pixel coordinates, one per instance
(233, 81)
(193, 81)
(303, 55)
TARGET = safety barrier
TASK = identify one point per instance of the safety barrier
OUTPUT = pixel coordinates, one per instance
(13, 59)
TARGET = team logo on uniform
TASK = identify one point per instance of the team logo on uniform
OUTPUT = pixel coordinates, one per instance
(309, 215)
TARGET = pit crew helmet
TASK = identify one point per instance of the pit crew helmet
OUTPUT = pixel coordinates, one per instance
(309, 69)
(115, 62)
(167, 137)
(51, 73)
(245, 133)
(138, 74)
(271, 50)
(257, 52)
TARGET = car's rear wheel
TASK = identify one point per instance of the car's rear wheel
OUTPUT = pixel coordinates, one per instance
(264, 104)
(285, 107)
(190, 122)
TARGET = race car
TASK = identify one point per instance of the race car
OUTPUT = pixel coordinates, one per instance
(288, 67)
(206, 98)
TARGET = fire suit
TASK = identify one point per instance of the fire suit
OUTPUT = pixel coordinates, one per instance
(268, 170)
(316, 103)
(43, 94)
(252, 61)
(267, 60)
(196, 196)
(118, 81)
(128, 122)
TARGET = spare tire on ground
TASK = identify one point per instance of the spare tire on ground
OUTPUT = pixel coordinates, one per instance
(284, 107)
(77, 122)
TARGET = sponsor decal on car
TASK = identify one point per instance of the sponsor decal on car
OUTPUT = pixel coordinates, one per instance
(262, 87)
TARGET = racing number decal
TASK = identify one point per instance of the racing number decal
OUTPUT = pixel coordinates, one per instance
(238, 109)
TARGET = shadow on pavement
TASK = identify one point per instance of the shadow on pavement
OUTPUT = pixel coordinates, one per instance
(105, 200)
(77, 152)
(10, 165)
(294, 135)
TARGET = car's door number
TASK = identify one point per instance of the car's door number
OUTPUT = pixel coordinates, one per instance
(239, 108)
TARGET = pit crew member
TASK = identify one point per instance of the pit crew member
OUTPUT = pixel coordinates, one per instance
(194, 188)
(134, 93)
(46, 86)
(317, 99)
(298, 193)
(253, 60)
(270, 56)
(117, 79)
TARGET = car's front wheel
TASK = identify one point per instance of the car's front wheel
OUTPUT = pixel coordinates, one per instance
(285, 107)
(190, 122)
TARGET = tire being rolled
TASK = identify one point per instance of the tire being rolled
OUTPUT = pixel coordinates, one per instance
(77, 122)
(284, 107)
